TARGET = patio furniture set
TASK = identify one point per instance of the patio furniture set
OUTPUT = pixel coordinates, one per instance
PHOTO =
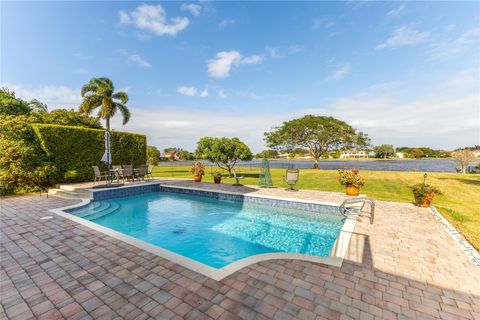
(123, 172)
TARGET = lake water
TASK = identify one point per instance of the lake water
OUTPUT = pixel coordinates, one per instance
(425, 165)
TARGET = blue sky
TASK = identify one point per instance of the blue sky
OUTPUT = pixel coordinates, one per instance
(406, 73)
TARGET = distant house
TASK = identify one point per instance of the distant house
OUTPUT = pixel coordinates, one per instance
(283, 155)
(353, 154)
(400, 155)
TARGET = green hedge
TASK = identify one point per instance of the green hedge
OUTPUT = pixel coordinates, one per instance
(74, 150)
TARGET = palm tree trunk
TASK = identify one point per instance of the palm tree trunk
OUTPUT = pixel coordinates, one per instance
(108, 124)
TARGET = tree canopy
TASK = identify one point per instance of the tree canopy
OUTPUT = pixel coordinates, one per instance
(153, 155)
(99, 93)
(317, 134)
(224, 152)
(384, 151)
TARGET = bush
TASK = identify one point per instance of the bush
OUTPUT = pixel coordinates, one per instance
(73, 150)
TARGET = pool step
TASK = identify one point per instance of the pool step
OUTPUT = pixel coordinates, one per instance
(71, 194)
(112, 208)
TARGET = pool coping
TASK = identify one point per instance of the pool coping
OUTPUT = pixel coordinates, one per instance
(335, 257)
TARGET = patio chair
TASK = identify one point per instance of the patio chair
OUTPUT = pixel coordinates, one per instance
(99, 175)
(118, 172)
(237, 179)
(141, 172)
(291, 178)
(127, 172)
(149, 171)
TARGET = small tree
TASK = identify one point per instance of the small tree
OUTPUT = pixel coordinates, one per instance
(417, 153)
(153, 155)
(224, 152)
(463, 158)
(317, 134)
(384, 151)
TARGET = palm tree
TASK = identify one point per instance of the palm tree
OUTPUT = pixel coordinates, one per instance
(99, 92)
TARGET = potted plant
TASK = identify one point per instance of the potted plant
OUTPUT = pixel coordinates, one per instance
(352, 181)
(198, 170)
(217, 177)
(424, 193)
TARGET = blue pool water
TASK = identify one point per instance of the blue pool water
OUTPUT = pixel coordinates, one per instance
(214, 232)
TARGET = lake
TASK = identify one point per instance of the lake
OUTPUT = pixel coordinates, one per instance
(425, 165)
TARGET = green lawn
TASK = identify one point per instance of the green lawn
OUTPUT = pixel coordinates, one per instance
(460, 202)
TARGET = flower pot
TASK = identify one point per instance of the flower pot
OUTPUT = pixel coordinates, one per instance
(217, 180)
(197, 178)
(424, 201)
(352, 190)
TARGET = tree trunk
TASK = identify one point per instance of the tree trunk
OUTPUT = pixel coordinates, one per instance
(315, 163)
(230, 174)
(108, 124)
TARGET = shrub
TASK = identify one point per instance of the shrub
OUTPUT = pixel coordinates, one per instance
(73, 150)
(24, 166)
(198, 169)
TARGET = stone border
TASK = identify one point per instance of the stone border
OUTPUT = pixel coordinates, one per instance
(335, 257)
(466, 247)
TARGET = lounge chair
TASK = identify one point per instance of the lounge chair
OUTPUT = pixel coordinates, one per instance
(291, 178)
(99, 175)
(237, 179)
(128, 173)
(141, 172)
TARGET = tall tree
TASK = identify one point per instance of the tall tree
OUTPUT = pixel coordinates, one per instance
(224, 152)
(318, 134)
(99, 93)
(153, 155)
(463, 158)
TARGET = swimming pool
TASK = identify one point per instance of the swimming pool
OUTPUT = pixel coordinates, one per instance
(215, 232)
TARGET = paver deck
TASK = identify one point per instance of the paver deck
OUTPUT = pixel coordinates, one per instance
(403, 266)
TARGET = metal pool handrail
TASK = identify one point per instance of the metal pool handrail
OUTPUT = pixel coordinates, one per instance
(344, 210)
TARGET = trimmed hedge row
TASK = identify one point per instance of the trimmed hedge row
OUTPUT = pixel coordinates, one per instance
(74, 150)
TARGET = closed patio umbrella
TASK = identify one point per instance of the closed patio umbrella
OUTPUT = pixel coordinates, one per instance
(107, 156)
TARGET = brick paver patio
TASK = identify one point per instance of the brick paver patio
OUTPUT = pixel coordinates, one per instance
(403, 266)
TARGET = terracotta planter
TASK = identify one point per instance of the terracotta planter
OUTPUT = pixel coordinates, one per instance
(352, 190)
(217, 180)
(425, 201)
(197, 178)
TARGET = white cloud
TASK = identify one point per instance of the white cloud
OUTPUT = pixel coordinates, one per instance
(281, 52)
(455, 46)
(224, 61)
(194, 9)
(273, 52)
(124, 17)
(187, 91)
(52, 95)
(136, 59)
(153, 18)
(225, 23)
(385, 85)
(192, 91)
(404, 36)
(396, 12)
(254, 59)
(222, 94)
(341, 72)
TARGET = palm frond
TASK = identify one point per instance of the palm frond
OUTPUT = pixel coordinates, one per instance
(90, 103)
(122, 96)
(124, 110)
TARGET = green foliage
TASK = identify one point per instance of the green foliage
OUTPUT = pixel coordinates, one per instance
(11, 105)
(269, 154)
(224, 152)
(318, 134)
(153, 155)
(384, 151)
(77, 149)
(422, 191)
(69, 118)
(24, 166)
(99, 93)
